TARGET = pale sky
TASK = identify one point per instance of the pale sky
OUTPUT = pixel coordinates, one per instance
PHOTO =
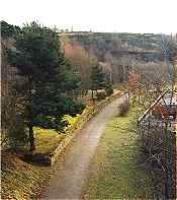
(158, 16)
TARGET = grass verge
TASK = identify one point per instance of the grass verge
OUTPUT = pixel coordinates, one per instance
(115, 170)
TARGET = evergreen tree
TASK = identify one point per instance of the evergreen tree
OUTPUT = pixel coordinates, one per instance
(8, 30)
(97, 78)
(108, 84)
(48, 74)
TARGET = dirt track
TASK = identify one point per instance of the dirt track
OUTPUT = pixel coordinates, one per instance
(72, 170)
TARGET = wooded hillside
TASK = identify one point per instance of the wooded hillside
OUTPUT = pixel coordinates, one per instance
(117, 53)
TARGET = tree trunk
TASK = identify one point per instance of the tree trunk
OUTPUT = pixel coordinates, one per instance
(97, 94)
(92, 95)
(86, 92)
(31, 138)
(30, 116)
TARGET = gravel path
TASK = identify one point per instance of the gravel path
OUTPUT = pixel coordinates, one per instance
(68, 181)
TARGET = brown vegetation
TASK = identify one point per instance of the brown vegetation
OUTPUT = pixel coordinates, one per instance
(124, 108)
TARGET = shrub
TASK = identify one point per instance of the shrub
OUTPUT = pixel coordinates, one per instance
(101, 95)
(109, 91)
(124, 108)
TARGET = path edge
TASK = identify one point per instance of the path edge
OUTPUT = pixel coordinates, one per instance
(87, 115)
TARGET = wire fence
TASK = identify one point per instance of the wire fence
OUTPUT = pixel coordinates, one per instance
(159, 145)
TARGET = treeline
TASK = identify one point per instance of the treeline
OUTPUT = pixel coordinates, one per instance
(40, 84)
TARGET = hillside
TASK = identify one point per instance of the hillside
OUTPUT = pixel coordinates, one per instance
(118, 53)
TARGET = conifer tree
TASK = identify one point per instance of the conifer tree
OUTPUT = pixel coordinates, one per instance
(49, 76)
(97, 78)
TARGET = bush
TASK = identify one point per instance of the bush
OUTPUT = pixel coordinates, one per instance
(124, 108)
(109, 91)
(101, 95)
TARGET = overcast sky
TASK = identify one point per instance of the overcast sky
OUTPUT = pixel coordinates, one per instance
(158, 16)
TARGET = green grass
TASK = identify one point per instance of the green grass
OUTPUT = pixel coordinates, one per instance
(115, 170)
(47, 140)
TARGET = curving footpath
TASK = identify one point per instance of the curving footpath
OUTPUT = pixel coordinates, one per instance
(72, 169)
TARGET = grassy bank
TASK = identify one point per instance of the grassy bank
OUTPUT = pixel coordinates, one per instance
(19, 179)
(115, 170)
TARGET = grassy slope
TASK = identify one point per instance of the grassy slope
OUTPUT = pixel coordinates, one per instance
(115, 172)
(21, 179)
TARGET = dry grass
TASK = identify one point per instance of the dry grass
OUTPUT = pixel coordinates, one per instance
(21, 180)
